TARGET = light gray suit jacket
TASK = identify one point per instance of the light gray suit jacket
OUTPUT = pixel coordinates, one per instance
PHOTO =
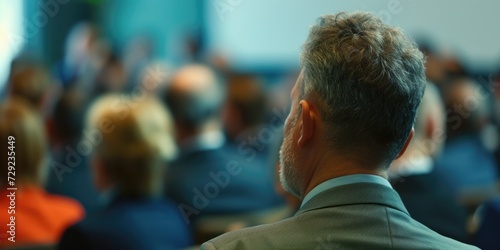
(354, 216)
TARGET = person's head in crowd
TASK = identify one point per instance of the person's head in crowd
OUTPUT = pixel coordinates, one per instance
(430, 132)
(195, 97)
(136, 141)
(79, 43)
(68, 116)
(112, 78)
(246, 105)
(354, 104)
(467, 106)
(434, 63)
(19, 121)
(31, 83)
(453, 65)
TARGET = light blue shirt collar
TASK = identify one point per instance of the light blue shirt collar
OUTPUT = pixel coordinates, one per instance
(344, 180)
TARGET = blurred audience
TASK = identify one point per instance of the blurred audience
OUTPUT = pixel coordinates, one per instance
(434, 67)
(77, 62)
(465, 163)
(30, 80)
(134, 142)
(426, 196)
(227, 162)
(70, 173)
(112, 77)
(210, 177)
(245, 108)
(31, 83)
(245, 117)
(40, 218)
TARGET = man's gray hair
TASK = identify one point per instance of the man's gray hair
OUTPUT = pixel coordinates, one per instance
(367, 79)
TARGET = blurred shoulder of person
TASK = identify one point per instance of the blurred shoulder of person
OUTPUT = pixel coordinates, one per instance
(466, 163)
(71, 173)
(486, 236)
(128, 165)
(40, 217)
(426, 196)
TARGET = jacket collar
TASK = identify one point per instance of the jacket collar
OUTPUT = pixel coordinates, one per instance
(351, 194)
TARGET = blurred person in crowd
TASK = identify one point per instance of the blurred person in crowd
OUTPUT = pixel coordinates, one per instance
(210, 177)
(486, 236)
(453, 65)
(133, 142)
(352, 113)
(40, 218)
(465, 163)
(426, 196)
(245, 113)
(31, 82)
(70, 173)
(77, 62)
(112, 78)
(137, 56)
(434, 65)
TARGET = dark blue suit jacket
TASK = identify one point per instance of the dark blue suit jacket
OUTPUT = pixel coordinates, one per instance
(430, 202)
(77, 184)
(466, 165)
(220, 181)
(130, 223)
(487, 236)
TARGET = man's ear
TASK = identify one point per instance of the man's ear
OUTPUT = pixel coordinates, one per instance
(408, 140)
(307, 123)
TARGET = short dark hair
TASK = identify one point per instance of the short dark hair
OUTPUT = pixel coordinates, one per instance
(246, 93)
(367, 79)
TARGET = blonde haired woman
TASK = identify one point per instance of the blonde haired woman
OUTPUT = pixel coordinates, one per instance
(28, 214)
(131, 141)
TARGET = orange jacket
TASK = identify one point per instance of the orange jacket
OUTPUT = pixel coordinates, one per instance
(40, 217)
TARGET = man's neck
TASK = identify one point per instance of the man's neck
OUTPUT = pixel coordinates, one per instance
(328, 169)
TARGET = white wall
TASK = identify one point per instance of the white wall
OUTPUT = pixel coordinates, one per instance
(11, 32)
(270, 32)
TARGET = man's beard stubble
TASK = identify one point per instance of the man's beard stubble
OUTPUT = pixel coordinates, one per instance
(289, 176)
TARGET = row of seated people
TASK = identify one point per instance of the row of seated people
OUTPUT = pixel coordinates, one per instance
(208, 177)
(127, 140)
(129, 148)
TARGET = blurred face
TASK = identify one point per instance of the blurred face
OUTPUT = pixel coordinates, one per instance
(289, 163)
